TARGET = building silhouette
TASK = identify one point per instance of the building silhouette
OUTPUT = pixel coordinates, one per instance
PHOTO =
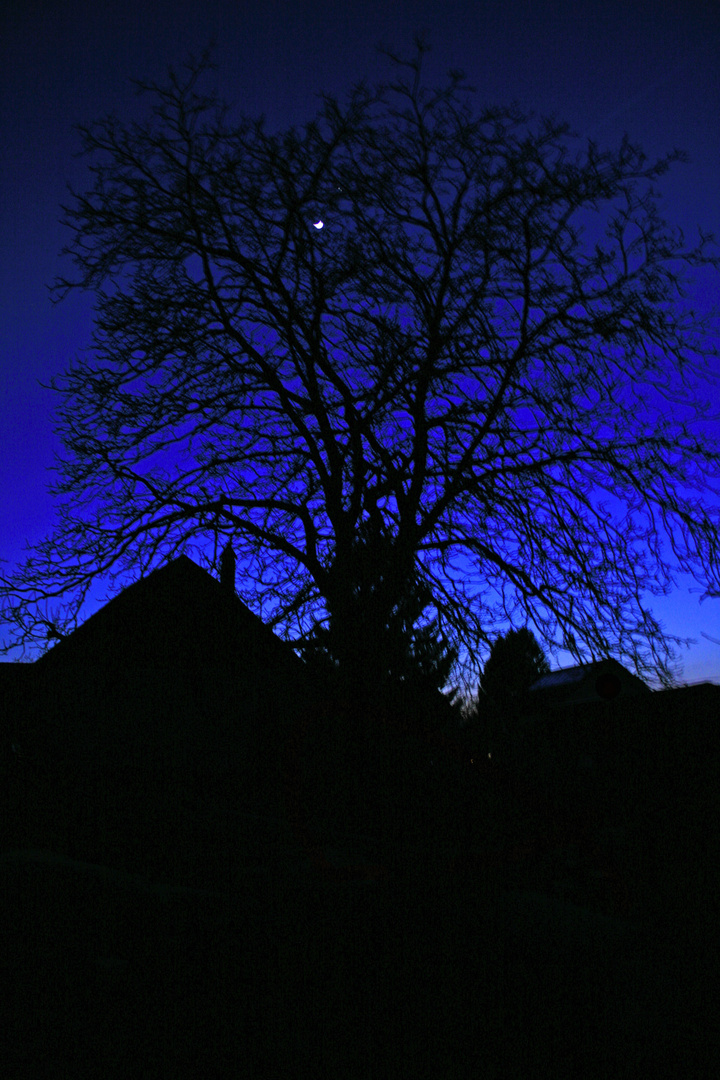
(600, 680)
(171, 698)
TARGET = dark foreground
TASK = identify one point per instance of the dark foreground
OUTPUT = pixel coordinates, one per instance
(285, 970)
(483, 939)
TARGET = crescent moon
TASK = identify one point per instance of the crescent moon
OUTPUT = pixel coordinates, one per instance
(317, 224)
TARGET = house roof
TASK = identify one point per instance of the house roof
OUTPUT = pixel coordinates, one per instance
(615, 678)
(173, 676)
(563, 677)
(177, 612)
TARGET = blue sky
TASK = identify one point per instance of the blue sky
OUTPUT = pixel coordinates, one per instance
(648, 69)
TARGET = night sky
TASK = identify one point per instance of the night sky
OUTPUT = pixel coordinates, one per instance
(648, 69)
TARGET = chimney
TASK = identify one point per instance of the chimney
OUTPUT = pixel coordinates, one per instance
(227, 569)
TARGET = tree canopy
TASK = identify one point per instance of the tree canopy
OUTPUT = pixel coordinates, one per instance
(457, 323)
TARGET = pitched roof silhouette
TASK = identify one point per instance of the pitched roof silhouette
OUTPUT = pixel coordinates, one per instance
(599, 680)
(177, 614)
(173, 659)
(173, 684)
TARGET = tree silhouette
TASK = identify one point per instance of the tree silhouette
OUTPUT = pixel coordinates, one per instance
(455, 324)
(515, 662)
(389, 642)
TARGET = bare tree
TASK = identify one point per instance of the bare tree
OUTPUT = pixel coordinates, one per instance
(463, 326)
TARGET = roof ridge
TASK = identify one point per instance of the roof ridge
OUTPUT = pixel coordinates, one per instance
(168, 580)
